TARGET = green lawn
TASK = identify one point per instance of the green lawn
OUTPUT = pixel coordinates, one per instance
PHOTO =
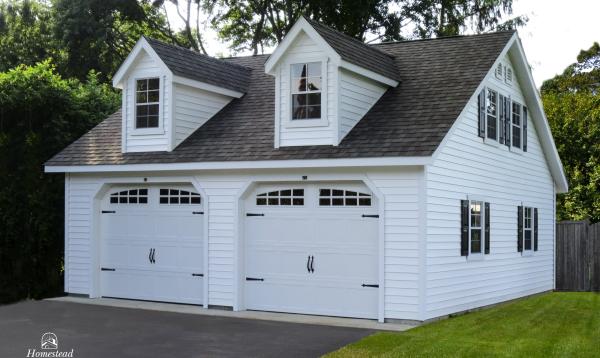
(565, 324)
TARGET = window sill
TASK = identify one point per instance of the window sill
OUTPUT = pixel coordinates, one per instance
(492, 142)
(147, 131)
(527, 253)
(475, 257)
(516, 150)
(302, 123)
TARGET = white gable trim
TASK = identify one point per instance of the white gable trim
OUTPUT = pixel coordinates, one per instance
(263, 164)
(368, 73)
(207, 87)
(142, 44)
(300, 26)
(534, 103)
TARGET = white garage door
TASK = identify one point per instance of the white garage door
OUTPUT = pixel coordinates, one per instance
(312, 249)
(152, 242)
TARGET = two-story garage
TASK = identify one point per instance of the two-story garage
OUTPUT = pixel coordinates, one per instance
(405, 180)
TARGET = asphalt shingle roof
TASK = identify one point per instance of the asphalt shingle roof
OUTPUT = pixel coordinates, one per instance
(357, 52)
(189, 64)
(438, 78)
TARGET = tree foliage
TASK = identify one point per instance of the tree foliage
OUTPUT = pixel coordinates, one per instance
(572, 105)
(40, 114)
(256, 24)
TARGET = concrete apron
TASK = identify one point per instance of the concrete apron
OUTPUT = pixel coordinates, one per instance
(259, 315)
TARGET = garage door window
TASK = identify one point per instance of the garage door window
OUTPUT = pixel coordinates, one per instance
(178, 197)
(285, 197)
(339, 197)
(132, 196)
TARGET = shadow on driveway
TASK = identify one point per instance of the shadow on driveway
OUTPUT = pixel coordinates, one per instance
(100, 331)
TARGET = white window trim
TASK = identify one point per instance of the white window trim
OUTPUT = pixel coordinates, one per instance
(303, 123)
(529, 252)
(518, 149)
(492, 141)
(161, 100)
(477, 256)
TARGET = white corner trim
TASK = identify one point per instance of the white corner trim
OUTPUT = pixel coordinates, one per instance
(264, 164)
(207, 87)
(368, 73)
(142, 44)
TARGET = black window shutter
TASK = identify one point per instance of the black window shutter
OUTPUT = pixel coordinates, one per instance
(482, 113)
(520, 229)
(501, 125)
(535, 229)
(507, 119)
(524, 129)
(464, 228)
(487, 228)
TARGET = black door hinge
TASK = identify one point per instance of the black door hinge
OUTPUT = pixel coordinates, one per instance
(107, 269)
(254, 279)
(198, 212)
(367, 285)
(252, 214)
(198, 274)
(108, 211)
(369, 216)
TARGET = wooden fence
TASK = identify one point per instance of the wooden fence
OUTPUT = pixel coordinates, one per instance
(577, 256)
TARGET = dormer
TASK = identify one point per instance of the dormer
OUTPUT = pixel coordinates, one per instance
(325, 82)
(169, 92)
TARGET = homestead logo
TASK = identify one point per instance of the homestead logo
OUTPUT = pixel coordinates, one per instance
(49, 346)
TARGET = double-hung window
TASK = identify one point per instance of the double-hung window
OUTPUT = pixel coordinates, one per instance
(527, 228)
(306, 90)
(516, 124)
(492, 114)
(147, 102)
(476, 227)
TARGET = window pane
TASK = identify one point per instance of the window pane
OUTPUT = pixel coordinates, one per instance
(153, 109)
(174, 192)
(133, 200)
(337, 202)
(133, 192)
(516, 134)
(364, 201)
(351, 201)
(337, 192)
(273, 193)
(325, 202)
(299, 85)
(299, 112)
(313, 99)
(142, 110)
(491, 102)
(152, 121)
(153, 96)
(298, 201)
(164, 191)
(476, 240)
(314, 84)
(153, 83)
(143, 200)
(123, 200)
(141, 122)
(298, 70)
(273, 201)
(287, 192)
(286, 201)
(325, 192)
(527, 239)
(261, 201)
(184, 200)
(195, 199)
(298, 192)
(313, 112)
(351, 193)
(141, 97)
(314, 69)
(142, 85)
(143, 191)
(491, 127)
(114, 200)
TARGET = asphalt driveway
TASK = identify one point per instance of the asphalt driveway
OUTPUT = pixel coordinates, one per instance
(100, 331)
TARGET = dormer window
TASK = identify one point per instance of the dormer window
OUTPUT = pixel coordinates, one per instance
(147, 100)
(306, 90)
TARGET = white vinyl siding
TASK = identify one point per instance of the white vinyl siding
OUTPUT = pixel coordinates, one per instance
(192, 108)
(357, 96)
(505, 178)
(158, 138)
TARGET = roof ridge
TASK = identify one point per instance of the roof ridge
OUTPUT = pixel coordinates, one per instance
(444, 37)
(211, 58)
(313, 22)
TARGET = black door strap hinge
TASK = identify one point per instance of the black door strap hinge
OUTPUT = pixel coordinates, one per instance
(254, 279)
(367, 285)
(108, 211)
(198, 212)
(106, 269)
(198, 274)
(253, 214)
(369, 216)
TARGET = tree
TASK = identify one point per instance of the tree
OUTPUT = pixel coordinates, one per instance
(26, 34)
(572, 105)
(255, 24)
(40, 114)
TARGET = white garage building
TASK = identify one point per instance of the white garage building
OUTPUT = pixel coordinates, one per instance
(404, 180)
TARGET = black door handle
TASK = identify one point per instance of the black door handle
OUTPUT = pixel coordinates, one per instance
(153, 252)
(312, 262)
(150, 255)
(308, 264)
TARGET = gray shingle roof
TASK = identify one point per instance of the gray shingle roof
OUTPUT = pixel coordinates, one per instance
(189, 64)
(438, 78)
(357, 52)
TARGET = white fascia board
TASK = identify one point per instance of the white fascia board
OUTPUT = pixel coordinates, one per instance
(142, 44)
(207, 87)
(300, 25)
(535, 105)
(264, 164)
(368, 73)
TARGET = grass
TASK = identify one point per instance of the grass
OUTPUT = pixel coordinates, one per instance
(558, 324)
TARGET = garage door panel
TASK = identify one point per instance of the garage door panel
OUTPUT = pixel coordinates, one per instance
(265, 261)
(280, 230)
(339, 266)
